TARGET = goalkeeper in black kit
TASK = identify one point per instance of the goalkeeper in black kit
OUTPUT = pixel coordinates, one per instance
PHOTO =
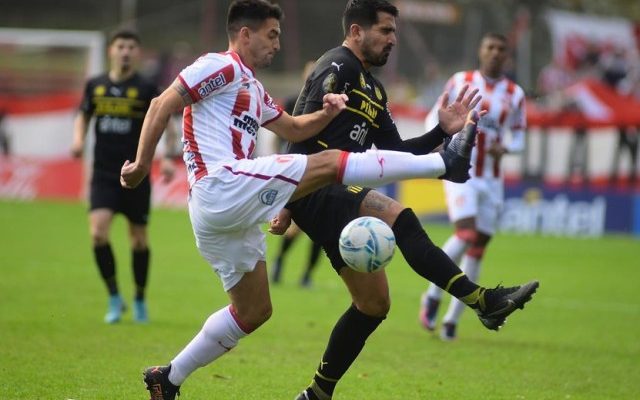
(370, 35)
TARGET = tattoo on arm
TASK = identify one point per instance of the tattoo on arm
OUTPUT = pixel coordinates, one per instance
(182, 91)
(375, 202)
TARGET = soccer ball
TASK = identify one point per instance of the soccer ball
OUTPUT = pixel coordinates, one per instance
(367, 244)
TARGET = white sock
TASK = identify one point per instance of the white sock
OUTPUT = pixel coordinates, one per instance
(455, 248)
(219, 334)
(471, 267)
(375, 168)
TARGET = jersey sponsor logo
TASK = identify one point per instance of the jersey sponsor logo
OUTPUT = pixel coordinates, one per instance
(330, 83)
(114, 125)
(368, 108)
(208, 87)
(268, 196)
(359, 133)
(247, 124)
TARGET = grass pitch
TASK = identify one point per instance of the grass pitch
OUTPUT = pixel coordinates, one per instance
(577, 339)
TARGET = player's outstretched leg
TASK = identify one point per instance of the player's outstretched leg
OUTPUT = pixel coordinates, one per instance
(495, 305)
(456, 152)
(158, 384)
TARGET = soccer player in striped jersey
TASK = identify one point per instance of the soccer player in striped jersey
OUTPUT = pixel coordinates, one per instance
(474, 206)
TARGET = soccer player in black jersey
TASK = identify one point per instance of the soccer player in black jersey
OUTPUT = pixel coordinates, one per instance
(118, 100)
(369, 28)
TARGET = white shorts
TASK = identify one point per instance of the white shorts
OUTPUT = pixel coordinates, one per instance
(479, 198)
(227, 207)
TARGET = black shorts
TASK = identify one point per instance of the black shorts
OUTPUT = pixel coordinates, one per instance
(323, 214)
(106, 192)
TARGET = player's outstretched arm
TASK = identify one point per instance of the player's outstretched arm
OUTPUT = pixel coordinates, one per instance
(155, 122)
(302, 127)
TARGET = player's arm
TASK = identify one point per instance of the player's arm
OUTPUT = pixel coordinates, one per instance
(80, 127)
(172, 100)
(302, 127)
(81, 122)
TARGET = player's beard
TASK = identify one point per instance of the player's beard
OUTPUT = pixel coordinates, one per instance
(373, 58)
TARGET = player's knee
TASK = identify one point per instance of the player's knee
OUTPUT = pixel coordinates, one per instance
(258, 315)
(378, 306)
(328, 162)
(468, 235)
(99, 238)
(476, 251)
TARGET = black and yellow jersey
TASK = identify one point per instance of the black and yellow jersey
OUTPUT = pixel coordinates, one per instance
(367, 119)
(119, 110)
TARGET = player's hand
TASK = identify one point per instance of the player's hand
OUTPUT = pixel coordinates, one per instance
(333, 103)
(77, 149)
(453, 116)
(132, 174)
(167, 169)
(279, 224)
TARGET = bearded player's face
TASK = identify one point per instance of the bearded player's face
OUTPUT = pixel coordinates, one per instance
(379, 39)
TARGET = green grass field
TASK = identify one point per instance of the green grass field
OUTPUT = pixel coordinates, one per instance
(578, 339)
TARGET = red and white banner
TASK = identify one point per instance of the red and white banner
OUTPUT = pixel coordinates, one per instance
(589, 104)
(574, 35)
(28, 178)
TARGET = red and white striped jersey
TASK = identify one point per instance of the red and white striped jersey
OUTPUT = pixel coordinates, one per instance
(229, 106)
(504, 102)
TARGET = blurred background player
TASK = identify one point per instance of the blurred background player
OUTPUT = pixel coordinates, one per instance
(119, 100)
(474, 206)
(294, 232)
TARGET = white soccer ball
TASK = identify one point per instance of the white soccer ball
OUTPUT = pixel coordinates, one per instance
(367, 244)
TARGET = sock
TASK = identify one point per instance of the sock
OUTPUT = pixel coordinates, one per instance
(471, 267)
(107, 266)
(346, 341)
(429, 261)
(455, 248)
(140, 271)
(378, 167)
(219, 335)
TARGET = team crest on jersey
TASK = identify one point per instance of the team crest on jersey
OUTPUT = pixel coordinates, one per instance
(268, 196)
(132, 93)
(363, 83)
(213, 83)
(100, 90)
(378, 92)
(330, 83)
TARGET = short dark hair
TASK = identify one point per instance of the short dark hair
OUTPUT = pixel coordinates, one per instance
(250, 13)
(494, 35)
(365, 13)
(124, 34)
